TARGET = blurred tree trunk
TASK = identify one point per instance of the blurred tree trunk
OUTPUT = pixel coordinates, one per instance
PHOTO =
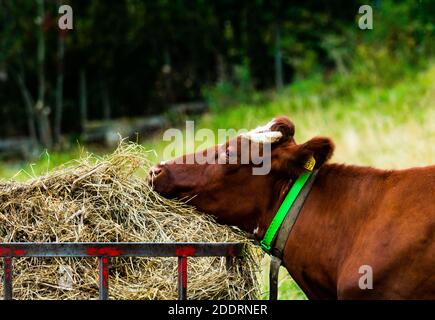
(59, 87)
(42, 111)
(279, 82)
(105, 99)
(221, 68)
(83, 99)
(28, 103)
(167, 74)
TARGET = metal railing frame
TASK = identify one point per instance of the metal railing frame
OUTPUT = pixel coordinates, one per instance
(106, 250)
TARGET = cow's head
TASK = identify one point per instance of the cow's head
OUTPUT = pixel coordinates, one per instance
(231, 191)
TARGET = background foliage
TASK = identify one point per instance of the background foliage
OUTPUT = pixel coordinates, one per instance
(139, 57)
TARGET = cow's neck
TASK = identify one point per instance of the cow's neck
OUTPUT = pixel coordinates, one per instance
(334, 211)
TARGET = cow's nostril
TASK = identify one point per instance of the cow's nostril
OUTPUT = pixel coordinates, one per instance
(155, 171)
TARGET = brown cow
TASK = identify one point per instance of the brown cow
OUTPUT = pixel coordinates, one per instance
(353, 217)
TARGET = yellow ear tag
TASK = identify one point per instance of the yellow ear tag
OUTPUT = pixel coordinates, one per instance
(309, 165)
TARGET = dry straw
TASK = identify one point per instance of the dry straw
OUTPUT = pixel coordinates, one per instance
(103, 199)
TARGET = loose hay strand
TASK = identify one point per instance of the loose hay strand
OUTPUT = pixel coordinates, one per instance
(102, 199)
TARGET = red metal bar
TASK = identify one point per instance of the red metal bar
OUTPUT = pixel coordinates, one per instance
(182, 278)
(103, 266)
(120, 249)
(7, 284)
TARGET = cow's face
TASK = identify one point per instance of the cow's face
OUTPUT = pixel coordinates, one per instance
(228, 188)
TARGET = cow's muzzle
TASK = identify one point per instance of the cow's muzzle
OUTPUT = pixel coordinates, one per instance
(155, 171)
(158, 178)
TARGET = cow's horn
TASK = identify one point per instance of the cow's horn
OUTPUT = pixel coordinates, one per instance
(262, 137)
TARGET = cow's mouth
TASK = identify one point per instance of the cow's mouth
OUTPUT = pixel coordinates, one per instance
(162, 181)
(159, 180)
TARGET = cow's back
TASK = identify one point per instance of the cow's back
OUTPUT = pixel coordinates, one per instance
(397, 240)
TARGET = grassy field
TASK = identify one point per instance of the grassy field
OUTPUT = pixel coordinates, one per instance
(390, 127)
(385, 127)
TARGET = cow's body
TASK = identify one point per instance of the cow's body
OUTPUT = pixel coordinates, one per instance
(355, 219)
(356, 216)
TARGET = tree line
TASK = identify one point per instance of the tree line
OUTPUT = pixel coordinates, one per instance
(136, 58)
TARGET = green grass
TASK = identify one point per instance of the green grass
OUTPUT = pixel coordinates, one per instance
(390, 127)
(386, 127)
(45, 162)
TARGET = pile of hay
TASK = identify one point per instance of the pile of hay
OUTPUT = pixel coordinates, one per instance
(103, 199)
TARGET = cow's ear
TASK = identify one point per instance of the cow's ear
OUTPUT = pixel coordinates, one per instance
(319, 148)
(293, 159)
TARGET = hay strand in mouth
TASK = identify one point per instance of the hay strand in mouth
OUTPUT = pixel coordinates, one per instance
(104, 199)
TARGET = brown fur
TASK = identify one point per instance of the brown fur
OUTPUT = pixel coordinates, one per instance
(353, 216)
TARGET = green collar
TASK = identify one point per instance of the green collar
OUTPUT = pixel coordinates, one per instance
(283, 210)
